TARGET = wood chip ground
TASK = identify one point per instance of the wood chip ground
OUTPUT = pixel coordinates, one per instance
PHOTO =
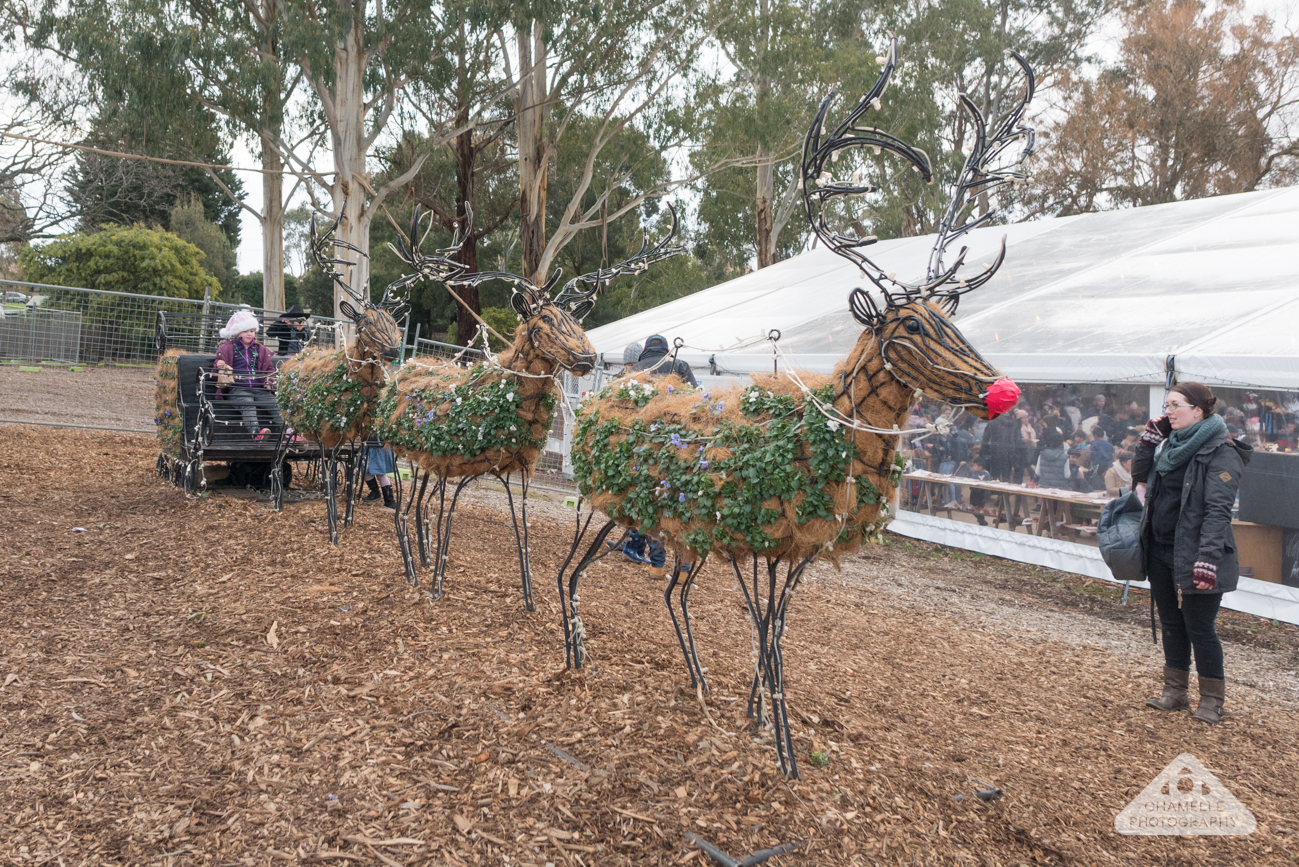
(206, 681)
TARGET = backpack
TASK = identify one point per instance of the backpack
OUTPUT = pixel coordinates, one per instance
(1118, 533)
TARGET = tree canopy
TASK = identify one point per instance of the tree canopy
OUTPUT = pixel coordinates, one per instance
(561, 127)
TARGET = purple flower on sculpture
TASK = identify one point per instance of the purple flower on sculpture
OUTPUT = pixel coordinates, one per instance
(703, 465)
(665, 483)
(653, 428)
(681, 498)
(676, 441)
(669, 389)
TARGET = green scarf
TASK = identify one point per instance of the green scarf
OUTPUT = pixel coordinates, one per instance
(1183, 443)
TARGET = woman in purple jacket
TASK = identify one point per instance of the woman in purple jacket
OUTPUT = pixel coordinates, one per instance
(247, 372)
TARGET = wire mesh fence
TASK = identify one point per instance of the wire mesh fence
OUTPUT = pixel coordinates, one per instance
(111, 327)
(37, 334)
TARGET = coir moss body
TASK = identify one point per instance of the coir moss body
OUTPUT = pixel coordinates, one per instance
(455, 421)
(167, 415)
(328, 397)
(760, 469)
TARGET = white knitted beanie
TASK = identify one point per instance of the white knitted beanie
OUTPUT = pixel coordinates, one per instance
(242, 320)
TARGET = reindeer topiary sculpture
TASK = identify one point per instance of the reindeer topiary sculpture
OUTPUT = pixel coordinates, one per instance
(329, 396)
(452, 422)
(795, 466)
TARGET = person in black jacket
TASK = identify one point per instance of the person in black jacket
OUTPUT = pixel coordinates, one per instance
(1001, 439)
(290, 330)
(655, 357)
(1189, 487)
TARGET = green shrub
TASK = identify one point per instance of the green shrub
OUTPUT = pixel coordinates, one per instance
(121, 259)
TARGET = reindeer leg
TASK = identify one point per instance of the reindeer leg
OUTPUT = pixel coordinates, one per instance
(352, 477)
(693, 658)
(681, 639)
(421, 518)
(519, 544)
(400, 516)
(441, 491)
(524, 481)
(403, 544)
(578, 533)
(277, 475)
(758, 625)
(574, 632)
(329, 478)
(776, 663)
(444, 540)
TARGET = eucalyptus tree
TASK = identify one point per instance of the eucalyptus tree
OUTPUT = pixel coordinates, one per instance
(620, 64)
(782, 56)
(137, 98)
(357, 57)
(1198, 102)
(961, 47)
(242, 71)
(468, 181)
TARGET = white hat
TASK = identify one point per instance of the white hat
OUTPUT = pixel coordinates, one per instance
(242, 320)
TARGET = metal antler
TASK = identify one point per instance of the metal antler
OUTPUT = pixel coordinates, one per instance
(820, 187)
(983, 174)
(441, 266)
(320, 248)
(580, 301)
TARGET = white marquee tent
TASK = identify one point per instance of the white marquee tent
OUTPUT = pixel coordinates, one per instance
(1101, 297)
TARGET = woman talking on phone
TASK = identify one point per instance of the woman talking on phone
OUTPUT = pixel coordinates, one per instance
(1187, 470)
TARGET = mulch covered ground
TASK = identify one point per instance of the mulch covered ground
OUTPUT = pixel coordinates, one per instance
(208, 682)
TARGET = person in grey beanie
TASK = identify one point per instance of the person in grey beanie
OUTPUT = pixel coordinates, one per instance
(630, 356)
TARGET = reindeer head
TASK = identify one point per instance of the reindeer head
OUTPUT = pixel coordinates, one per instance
(924, 351)
(912, 328)
(377, 333)
(553, 331)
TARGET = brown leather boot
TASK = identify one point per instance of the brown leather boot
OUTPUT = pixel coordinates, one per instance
(1212, 695)
(1174, 696)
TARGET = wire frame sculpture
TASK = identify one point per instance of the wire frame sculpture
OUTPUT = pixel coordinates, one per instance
(841, 432)
(550, 339)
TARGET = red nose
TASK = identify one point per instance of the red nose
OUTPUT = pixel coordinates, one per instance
(1001, 396)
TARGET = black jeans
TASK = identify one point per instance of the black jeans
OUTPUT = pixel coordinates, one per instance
(252, 402)
(1188, 626)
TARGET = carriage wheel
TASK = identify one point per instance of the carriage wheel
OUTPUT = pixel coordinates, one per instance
(192, 474)
(163, 466)
(205, 430)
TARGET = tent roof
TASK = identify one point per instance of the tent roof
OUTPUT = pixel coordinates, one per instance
(1099, 297)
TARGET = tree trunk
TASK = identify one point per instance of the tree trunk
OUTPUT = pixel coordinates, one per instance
(466, 324)
(765, 203)
(531, 109)
(272, 164)
(272, 227)
(350, 182)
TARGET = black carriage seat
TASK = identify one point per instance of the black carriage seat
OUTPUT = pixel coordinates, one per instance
(226, 426)
(187, 370)
(217, 422)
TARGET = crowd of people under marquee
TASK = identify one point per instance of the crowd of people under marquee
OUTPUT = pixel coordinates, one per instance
(1058, 440)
